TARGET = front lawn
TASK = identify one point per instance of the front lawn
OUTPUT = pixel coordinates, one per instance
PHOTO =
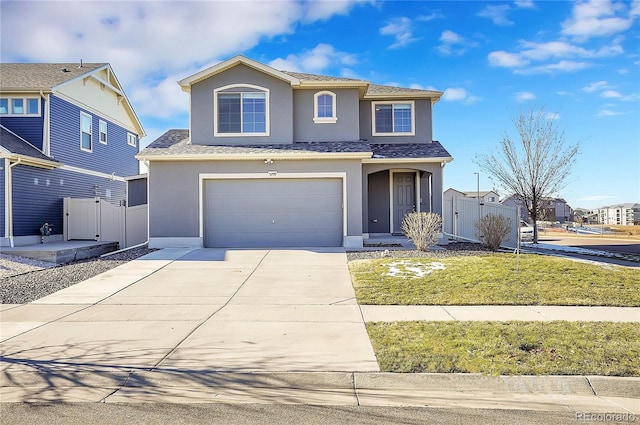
(508, 348)
(499, 279)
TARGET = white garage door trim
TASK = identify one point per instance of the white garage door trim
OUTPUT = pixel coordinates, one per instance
(271, 176)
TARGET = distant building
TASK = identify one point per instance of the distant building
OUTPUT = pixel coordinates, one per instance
(485, 195)
(621, 214)
(550, 209)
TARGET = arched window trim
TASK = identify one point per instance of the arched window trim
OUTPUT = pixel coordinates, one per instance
(324, 120)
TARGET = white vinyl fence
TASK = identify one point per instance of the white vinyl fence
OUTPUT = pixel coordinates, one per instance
(96, 219)
(461, 214)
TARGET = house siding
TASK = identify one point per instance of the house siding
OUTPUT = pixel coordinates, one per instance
(3, 170)
(38, 196)
(174, 190)
(280, 107)
(28, 127)
(114, 157)
(347, 112)
(423, 126)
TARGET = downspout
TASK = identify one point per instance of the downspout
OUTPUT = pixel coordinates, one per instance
(9, 202)
(46, 142)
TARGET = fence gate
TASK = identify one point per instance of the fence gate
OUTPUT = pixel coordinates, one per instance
(81, 219)
(461, 214)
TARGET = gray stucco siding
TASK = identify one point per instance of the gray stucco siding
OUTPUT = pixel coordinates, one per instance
(423, 124)
(280, 107)
(347, 112)
(174, 190)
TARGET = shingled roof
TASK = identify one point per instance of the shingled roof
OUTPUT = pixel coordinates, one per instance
(41, 76)
(176, 143)
(17, 147)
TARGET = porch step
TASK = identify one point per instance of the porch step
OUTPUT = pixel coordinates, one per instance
(62, 252)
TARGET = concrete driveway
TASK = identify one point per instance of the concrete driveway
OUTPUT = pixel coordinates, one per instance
(193, 311)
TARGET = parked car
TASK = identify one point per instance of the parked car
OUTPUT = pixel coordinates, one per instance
(526, 232)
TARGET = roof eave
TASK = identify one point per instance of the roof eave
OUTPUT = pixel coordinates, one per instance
(256, 156)
(442, 160)
(29, 160)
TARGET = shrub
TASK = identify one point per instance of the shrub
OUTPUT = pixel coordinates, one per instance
(492, 230)
(422, 228)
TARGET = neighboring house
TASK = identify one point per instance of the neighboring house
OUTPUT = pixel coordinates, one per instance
(549, 209)
(621, 214)
(485, 195)
(66, 130)
(278, 159)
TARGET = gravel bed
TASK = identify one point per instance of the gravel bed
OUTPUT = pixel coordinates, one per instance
(34, 284)
(451, 250)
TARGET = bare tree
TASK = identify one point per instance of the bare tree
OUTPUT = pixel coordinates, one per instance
(534, 167)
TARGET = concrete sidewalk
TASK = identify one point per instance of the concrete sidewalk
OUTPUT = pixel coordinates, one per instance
(499, 313)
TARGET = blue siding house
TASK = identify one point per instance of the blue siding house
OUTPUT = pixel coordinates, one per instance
(66, 130)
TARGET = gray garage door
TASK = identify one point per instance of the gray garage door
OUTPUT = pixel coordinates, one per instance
(273, 212)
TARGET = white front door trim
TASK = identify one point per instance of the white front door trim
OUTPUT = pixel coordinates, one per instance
(271, 175)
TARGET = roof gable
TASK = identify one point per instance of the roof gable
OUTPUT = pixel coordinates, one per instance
(186, 83)
(41, 76)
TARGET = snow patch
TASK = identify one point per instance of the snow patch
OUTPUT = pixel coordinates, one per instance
(412, 269)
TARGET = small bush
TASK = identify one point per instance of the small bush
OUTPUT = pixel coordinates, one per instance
(422, 228)
(492, 230)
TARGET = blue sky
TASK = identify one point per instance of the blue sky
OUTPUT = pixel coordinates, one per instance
(493, 60)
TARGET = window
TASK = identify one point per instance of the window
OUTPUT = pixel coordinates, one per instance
(324, 107)
(241, 110)
(103, 132)
(391, 119)
(131, 139)
(85, 132)
(20, 106)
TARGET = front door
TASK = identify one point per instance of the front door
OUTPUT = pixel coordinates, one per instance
(404, 198)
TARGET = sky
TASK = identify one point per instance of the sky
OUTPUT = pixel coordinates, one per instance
(580, 61)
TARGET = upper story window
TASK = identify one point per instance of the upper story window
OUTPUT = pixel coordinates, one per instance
(131, 139)
(21, 106)
(86, 143)
(324, 107)
(241, 110)
(393, 118)
(103, 132)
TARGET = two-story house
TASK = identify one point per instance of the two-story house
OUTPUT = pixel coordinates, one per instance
(277, 159)
(66, 130)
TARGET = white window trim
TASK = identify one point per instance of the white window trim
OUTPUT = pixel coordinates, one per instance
(241, 134)
(413, 118)
(25, 100)
(324, 120)
(131, 136)
(90, 132)
(106, 133)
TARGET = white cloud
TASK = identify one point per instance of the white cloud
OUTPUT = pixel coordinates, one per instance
(506, 60)
(552, 116)
(459, 94)
(453, 43)
(400, 28)
(524, 96)
(610, 94)
(607, 113)
(596, 18)
(315, 60)
(432, 16)
(323, 10)
(151, 45)
(599, 85)
(497, 14)
(562, 66)
(525, 4)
